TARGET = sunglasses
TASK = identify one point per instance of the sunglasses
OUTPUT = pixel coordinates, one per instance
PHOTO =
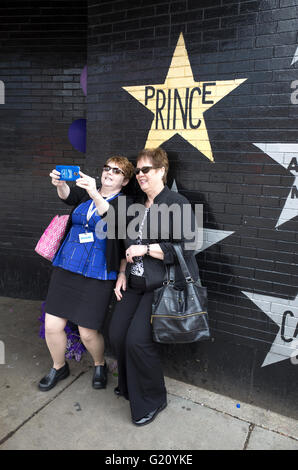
(114, 169)
(145, 169)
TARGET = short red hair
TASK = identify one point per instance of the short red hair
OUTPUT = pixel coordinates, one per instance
(124, 164)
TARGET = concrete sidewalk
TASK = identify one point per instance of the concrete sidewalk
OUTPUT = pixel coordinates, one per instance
(75, 416)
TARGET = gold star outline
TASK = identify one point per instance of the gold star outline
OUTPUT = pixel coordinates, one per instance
(180, 102)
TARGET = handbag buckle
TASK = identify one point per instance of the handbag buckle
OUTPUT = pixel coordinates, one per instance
(169, 282)
(189, 279)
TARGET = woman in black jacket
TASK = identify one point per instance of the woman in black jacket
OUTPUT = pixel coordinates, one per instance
(140, 375)
(86, 267)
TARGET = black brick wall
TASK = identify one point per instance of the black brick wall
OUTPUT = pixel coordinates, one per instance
(43, 51)
(244, 191)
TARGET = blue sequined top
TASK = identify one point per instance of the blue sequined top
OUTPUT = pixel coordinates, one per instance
(89, 258)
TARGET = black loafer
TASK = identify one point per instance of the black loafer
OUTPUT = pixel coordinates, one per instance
(119, 394)
(100, 377)
(50, 380)
(149, 417)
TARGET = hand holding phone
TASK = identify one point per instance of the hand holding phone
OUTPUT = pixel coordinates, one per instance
(63, 189)
(56, 181)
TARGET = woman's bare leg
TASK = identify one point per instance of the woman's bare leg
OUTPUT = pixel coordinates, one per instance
(94, 343)
(56, 339)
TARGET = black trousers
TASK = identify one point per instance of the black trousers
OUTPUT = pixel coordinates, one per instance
(140, 374)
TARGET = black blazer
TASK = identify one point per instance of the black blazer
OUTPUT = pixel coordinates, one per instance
(115, 249)
(154, 269)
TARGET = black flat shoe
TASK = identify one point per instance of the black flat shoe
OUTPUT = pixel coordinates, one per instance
(100, 377)
(149, 417)
(53, 377)
(119, 394)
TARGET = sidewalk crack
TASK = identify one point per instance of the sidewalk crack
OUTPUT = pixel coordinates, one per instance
(11, 433)
(250, 430)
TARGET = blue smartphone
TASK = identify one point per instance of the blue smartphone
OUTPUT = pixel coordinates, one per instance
(68, 172)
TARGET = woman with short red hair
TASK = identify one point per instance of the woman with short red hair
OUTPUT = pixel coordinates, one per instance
(85, 268)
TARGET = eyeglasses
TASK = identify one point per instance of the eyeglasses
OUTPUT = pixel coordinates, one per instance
(114, 169)
(144, 169)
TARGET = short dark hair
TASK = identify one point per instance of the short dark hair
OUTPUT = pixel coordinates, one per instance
(158, 157)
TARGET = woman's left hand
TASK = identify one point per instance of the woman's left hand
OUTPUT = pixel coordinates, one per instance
(135, 250)
(120, 284)
(88, 183)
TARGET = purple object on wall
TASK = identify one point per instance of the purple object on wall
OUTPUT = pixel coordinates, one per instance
(77, 135)
(83, 80)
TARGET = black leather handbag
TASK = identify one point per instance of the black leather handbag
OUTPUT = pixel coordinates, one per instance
(180, 316)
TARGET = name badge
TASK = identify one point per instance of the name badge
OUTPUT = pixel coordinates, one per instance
(86, 237)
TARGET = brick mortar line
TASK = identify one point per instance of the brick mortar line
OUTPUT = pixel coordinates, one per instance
(11, 433)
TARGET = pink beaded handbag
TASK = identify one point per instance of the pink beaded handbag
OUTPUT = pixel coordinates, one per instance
(49, 242)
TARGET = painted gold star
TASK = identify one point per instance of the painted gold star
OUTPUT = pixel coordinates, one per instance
(180, 102)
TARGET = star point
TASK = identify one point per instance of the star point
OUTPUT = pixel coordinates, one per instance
(209, 237)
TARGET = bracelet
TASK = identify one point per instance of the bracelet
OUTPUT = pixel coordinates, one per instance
(121, 272)
(148, 249)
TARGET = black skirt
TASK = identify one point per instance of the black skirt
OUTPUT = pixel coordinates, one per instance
(82, 300)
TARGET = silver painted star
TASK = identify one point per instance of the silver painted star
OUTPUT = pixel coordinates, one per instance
(285, 314)
(284, 154)
(210, 236)
(295, 58)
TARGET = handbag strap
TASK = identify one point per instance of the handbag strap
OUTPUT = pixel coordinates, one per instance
(171, 274)
(182, 262)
